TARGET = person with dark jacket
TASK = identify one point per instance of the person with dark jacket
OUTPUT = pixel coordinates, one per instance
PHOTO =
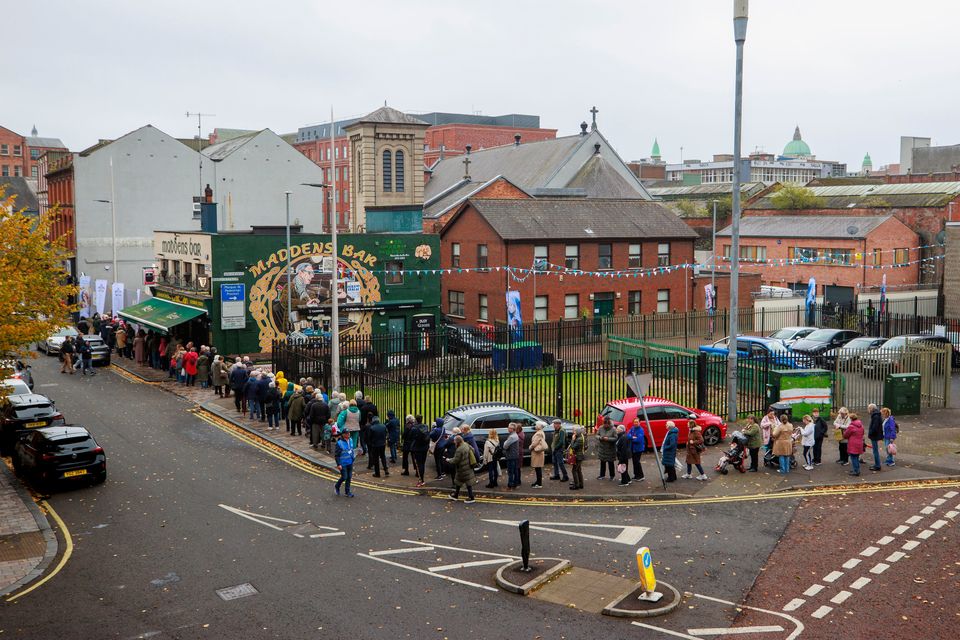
(238, 381)
(250, 393)
(393, 434)
(85, 353)
(668, 451)
(623, 446)
(367, 411)
(512, 455)
(607, 448)
(377, 441)
(819, 433)
(439, 437)
(638, 444)
(317, 416)
(419, 446)
(272, 402)
(263, 383)
(875, 434)
(407, 443)
(558, 449)
(295, 413)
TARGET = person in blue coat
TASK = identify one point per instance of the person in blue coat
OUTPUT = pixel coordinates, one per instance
(638, 444)
(669, 451)
(344, 457)
(393, 434)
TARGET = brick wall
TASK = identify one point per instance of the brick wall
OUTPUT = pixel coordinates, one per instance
(456, 137)
(926, 221)
(470, 230)
(11, 164)
(891, 235)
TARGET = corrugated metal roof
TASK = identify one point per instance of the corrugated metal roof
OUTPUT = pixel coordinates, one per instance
(223, 149)
(37, 141)
(887, 189)
(803, 226)
(702, 189)
(877, 196)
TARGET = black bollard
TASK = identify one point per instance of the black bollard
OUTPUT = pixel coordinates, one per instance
(525, 545)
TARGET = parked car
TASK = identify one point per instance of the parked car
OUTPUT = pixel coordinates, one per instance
(848, 356)
(760, 349)
(659, 411)
(99, 351)
(789, 335)
(23, 410)
(483, 416)
(19, 371)
(891, 355)
(770, 291)
(51, 346)
(816, 343)
(54, 454)
(467, 342)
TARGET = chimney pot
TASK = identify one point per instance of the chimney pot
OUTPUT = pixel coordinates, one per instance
(516, 140)
(583, 128)
(468, 149)
(596, 148)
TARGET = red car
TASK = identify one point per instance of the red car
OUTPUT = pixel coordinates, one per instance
(659, 411)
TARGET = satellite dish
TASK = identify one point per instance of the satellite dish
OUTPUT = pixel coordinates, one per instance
(853, 229)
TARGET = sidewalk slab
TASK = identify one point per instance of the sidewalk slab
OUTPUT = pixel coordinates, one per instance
(27, 544)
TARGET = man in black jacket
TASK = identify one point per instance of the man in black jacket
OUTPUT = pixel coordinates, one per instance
(317, 416)
(406, 443)
(420, 444)
(875, 433)
(238, 378)
(819, 433)
(377, 441)
(367, 410)
(393, 434)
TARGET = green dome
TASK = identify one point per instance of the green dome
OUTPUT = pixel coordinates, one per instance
(867, 162)
(655, 152)
(797, 148)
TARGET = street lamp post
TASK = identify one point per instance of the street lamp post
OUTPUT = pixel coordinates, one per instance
(289, 322)
(334, 289)
(740, 10)
(713, 260)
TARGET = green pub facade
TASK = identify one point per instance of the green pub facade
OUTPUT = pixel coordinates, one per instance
(231, 289)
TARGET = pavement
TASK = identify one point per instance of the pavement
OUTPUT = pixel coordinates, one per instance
(929, 444)
(27, 544)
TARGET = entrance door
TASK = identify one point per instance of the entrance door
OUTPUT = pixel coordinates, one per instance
(602, 308)
(396, 327)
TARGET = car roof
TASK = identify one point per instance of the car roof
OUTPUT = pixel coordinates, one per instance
(761, 339)
(650, 401)
(28, 399)
(483, 407)
(63, 431)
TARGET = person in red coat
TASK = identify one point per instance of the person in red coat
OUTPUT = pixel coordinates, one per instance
(190, 366)
(853, 434)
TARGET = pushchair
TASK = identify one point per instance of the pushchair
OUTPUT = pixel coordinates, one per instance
(772, 461)
(735, 455)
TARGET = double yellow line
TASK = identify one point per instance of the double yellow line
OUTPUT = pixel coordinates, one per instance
(67, 552)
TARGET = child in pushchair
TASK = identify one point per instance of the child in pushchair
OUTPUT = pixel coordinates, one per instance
(735, 455)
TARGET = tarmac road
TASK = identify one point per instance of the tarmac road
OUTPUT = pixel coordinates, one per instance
(153, 544)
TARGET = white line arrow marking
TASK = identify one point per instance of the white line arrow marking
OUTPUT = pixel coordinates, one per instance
(258, 518)
(717, 631)
(629, 534)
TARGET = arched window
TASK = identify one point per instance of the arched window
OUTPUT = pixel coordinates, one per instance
(398, 166)
(387, 171)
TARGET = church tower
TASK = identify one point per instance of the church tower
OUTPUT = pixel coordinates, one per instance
(386, 179)
(867, 166)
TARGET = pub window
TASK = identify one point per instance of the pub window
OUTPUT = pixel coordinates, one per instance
(540, 308)
(394, 273)
(455, 303)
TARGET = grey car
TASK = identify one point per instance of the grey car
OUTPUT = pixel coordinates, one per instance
(483, 416)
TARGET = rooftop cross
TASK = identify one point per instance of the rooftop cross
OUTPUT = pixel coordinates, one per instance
(466, 167)
(594, 111)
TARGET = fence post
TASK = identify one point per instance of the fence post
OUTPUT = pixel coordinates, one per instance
(644, 327)
(916, 314)
(763, 320)
(630, 368)
(686, 332)
(558, 389)
(701, 380)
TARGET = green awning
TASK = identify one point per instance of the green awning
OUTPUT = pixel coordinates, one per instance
(160, 314)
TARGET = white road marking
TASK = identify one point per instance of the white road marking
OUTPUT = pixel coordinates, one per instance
(390, 552)
(794, 604)
(427, 573)
(851, 563)
(938, 524)
(832, 576)
(629, 535)
(895, 556)
(879, 568)
(950, 494)
(914, 519)
(327, 535)
(258, 518)
(717, 631)
(463, 565)
(928, 510)
(841, 597)
(821, 612)
(669, 632)
(298, 535)
(926, 533)
(814, 590)
(860, 583)
(464, 549)
(910, 545)
(869, 551)
(798, 626)
(951, 514)
(885, 540)
(901, 529)
(938, 502)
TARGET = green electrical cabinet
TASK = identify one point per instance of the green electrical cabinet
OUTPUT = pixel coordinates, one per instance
(901, 393)
(803, 389)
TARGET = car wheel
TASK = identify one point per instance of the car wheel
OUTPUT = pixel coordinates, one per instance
(711, 436)
(17, 465)
(100, 478)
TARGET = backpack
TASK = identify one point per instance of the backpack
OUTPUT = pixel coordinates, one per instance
(498, 452)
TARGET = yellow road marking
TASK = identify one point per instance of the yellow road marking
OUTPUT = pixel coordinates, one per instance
(129, 377)
(269, 448)
(67, 552)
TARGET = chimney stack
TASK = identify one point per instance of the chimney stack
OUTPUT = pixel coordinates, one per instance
(516, 140)
(208, 194)
(468, 149)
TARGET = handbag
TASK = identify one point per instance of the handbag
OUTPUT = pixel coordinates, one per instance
(892, 448)
(621, 468)
(838, 434)
(571, 457)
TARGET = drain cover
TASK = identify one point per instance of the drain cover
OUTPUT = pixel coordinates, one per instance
(239, 591)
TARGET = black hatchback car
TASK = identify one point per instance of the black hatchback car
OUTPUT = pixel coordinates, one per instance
(464, 341)
(22, 412)
(67, 453)
(822, 340)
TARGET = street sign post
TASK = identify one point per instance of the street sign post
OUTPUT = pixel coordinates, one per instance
(232, 299)
(640, 383)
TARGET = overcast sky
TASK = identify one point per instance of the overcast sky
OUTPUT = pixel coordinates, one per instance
(854, 74)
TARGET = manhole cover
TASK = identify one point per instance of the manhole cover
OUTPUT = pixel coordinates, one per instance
(239, 591)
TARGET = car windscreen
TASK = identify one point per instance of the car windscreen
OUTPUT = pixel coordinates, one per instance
(775, 346)
(615, 414)
(783, 334)
(821, 335)
(859, 343)
(16, 386)
(450, 421)
(72, 442)
(66, 331)
(894, 343)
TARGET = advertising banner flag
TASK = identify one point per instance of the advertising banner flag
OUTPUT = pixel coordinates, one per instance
(117, 298)
(514, 316)
(883, 294)
(811, 301)
(100, 295)
(84, 297)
